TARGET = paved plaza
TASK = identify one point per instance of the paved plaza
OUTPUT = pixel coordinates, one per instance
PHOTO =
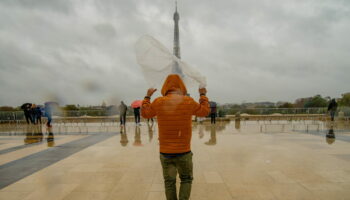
(246, 160)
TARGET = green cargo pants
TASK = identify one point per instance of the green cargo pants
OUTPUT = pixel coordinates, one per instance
(171, 166)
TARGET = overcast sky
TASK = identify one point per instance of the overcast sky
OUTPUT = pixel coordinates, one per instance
(82, 51)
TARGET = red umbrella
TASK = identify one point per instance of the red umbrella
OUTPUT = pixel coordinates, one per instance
(136, 104)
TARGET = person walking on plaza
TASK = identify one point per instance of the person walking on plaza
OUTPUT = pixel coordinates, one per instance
(137, 115)
(48, 113)
(174, 112)
(332, 108)
(212, 112)
(122, 113)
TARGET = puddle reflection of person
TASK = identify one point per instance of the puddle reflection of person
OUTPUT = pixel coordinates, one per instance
(123, 136)
(201, 131)
(34, 134)
(330, 136)
(238, 124)
(150, 131)
(137, 141)
(212, 140)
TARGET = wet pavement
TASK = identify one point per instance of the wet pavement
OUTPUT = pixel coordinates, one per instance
(232, 160)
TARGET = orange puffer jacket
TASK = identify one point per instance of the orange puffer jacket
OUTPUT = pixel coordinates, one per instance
(174, 114)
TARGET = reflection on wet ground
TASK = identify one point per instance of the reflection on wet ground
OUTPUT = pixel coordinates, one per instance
(212, 140)
(330, 137)
(36, 133)
(232, 160)
(33, 135)
(138, 134)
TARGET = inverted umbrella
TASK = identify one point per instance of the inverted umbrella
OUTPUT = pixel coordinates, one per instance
(136, 104)
(157, 63)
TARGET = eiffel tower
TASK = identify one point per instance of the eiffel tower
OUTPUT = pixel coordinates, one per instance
(176, 69)
(176, 33)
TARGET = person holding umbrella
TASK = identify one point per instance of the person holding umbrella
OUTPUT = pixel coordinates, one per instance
(174, 112)
(136, 105)
(26, 107)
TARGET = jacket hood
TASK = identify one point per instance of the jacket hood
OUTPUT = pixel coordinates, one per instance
(174, 83)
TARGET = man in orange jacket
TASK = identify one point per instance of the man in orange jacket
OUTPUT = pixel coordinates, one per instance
(174, 112)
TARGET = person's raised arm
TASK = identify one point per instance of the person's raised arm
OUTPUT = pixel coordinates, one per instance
(202, 109)
(147, 109)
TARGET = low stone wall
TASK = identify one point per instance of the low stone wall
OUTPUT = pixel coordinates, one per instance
(280, 117)
(109, 119)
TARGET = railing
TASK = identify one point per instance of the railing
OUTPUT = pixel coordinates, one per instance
(13, 116)
(19, 115)
(290, 111)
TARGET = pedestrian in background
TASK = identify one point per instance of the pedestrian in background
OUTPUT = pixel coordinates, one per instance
(26, 110)
(37, 114)
(33, 113)
(137, 115)
(213, 112)
(122, 113)
(48, 113)
(332, 108)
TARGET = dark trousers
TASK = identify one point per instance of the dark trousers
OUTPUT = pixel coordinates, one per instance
(33, 118)
(213, 118)
(49, 119)
(332, 114)
(137, 118)
(28, 117)
(122, 119)
(38, 119)
(171, 166)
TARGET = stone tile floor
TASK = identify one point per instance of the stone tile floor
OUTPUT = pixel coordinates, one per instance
(231, 161)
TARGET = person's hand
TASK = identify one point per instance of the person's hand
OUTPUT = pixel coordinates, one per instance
(202, 91)
(151, 91)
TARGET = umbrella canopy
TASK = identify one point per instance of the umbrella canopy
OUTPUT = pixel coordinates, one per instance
(157, 62)
(51, 103)
(26, 106)
(212, 104)
(136, 104)
(50, 106)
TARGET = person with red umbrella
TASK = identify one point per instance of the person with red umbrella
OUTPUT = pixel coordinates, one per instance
(136, 105)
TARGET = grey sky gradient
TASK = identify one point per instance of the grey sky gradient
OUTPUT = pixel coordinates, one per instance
(82, 51)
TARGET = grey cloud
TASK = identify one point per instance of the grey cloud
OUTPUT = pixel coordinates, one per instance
(63, 6)
(83, 51)
(105, 30)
